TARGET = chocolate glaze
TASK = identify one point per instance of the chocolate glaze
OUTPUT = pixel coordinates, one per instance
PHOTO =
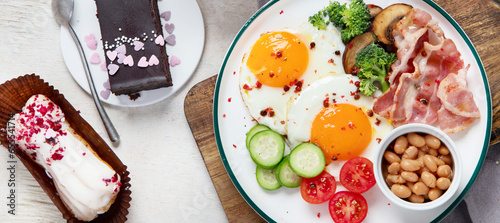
(126, 21)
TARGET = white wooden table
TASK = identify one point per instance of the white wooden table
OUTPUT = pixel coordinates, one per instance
(170, 182)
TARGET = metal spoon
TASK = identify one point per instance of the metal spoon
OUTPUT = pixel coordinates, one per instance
(63, 10)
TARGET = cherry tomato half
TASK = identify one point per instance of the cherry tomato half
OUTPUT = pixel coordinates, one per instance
(357, 175)
(318, 189)
(347, 206)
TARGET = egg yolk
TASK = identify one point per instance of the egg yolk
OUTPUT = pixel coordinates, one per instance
(278, 58)
(342, 131)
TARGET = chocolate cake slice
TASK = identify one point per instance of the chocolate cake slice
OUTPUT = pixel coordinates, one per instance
(134, 45)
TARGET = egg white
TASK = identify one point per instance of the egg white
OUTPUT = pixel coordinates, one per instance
(320, 65)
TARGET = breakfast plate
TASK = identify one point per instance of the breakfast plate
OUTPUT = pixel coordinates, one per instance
(189, 33)
(232, 121)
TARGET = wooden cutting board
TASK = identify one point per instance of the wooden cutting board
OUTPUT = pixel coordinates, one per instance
(479, 19)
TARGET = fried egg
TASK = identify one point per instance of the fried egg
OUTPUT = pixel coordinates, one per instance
(282, 64)
(333, 115)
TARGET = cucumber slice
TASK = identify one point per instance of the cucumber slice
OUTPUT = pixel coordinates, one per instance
(253, 131)
(307, 160)
(267, 178)
(285, 174)
(267, 149)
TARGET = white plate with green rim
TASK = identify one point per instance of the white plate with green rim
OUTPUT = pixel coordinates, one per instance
(232, 120)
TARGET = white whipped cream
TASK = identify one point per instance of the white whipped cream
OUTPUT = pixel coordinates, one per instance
(86, 184)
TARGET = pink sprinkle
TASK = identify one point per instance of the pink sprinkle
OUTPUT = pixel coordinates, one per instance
(170, 39)
(113, 68)
(159, 40)
(121, 49)
(103, 66)
(105, 94)
(169, 27)
(111, 55)
(153, 60)
(129, 60)
(106, 85)
(91, 41)
(143, 62)
(174, 61)
(138, 45)
(121, 57)
(166, 15)
(95, 59)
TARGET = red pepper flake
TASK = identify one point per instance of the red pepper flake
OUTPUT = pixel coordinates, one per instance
(437, 81)
(263, 113)
(369, 113)
(234, 146)
(343, 128)
(234, 72)
(271, 74)
(312, 45)
(357, 96)
(326, 102)
(319, 215)
(282, 122)
(377, 122)
(357, 83)
(378, 140)
(281, 12)
(423, 53)
(279, 54)
(258, 85)
(83, 154)
(331, 61)
(442, 49)
(337, 52)
(229, 100)
(246, 87)
(286, 88)
(223, 115)
(350, 45)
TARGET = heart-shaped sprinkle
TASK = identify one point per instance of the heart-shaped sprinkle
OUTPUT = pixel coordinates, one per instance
(138, 45)
(143, 62)
(95, 59)
(174, 61)
(89, 37)
(91, 41)
(113, 68)
(166, 15)
(111, 55)
(169, 27)
(106, 84)
(103, 66)
(159, 40)
(170, 39)
(128, 61)
(50, 133)
(153, 60)
(105, 93)
(121, 49)
(121, 57)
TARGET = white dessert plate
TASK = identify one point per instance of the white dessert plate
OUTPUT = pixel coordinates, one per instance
(190, 39)
(232, 120)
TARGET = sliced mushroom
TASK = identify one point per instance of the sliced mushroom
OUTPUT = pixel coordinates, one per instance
(353, 47)
(374, 10)
(386, 19)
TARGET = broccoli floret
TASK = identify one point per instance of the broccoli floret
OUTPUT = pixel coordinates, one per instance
(352, 20)
(318, 20)
(335, 12)
(356, 19)
(373, 63)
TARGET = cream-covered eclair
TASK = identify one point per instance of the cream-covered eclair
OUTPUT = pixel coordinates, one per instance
(85, 183)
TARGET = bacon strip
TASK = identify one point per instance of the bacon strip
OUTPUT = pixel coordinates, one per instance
(428, 82)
